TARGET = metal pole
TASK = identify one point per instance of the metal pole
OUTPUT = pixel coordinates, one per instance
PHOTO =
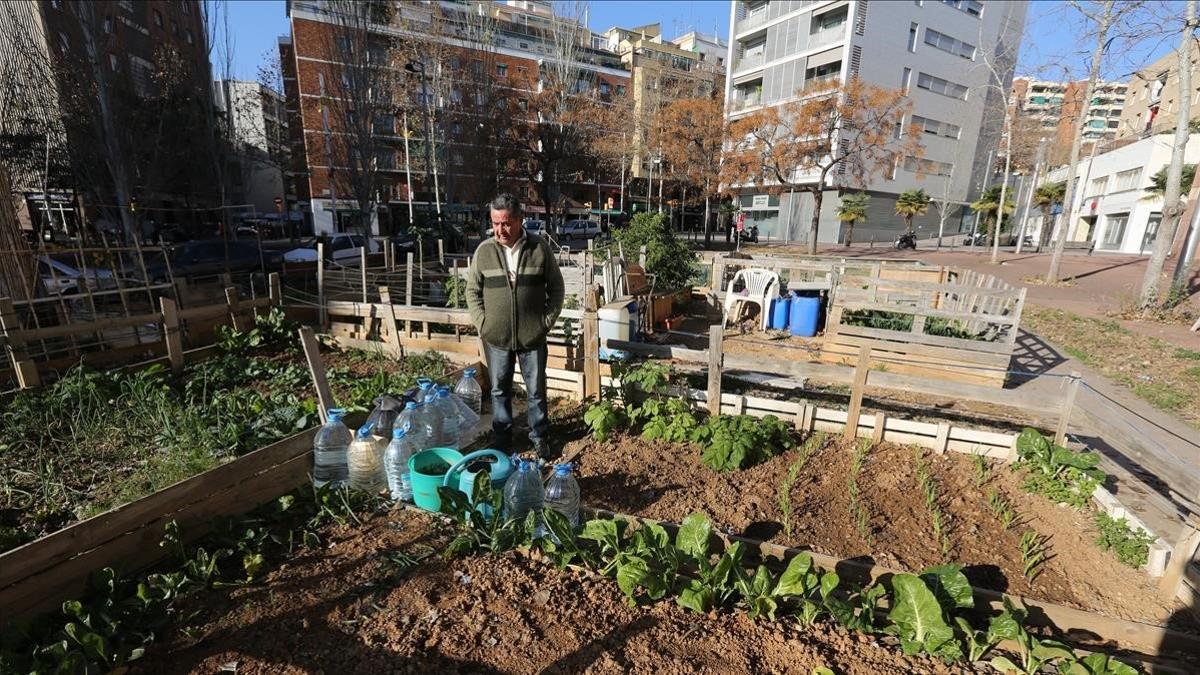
(660, 183)
(408, 172)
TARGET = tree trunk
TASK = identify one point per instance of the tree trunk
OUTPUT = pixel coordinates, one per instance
(1004, 186)
(1172, 206)
(1060, 242)
(850, 234)
(816, 218)
(707, 221)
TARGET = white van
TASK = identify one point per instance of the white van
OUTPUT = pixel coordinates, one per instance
(580, 229)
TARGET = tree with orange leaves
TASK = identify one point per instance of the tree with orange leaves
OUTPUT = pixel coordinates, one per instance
(831, 136)
(691, 132)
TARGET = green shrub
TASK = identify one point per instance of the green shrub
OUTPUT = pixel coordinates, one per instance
(667, 256)
(1132, 547)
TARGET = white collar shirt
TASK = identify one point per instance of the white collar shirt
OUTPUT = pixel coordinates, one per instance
(512, 255)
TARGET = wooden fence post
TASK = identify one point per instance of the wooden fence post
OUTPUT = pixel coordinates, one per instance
(591, 345)
(321, 313)
(316, 368)
(716, 357)
(389, 318)
(856, 393)
(275, 288)
(1181, 556)
(1064, 415)
(408, 290)
(10, 326)
(441, 252)
(170, 312)
(363, 269)
(234, 303)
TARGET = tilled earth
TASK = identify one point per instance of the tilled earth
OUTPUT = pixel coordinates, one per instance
(667, 481)
(346, 609)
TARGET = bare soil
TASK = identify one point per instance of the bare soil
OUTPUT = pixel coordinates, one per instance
(345, 609)
(667, 481)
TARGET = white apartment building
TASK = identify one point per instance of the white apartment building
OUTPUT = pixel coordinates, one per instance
(932, 49)
(258, 128)
(1113, 208)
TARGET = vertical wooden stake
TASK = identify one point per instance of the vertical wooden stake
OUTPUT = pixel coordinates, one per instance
(316, 368)
(389, 320)
(856, 393)
(880, 423)
(10, 327)
(275, 289)
(1181, 556)
(1064, 415)
(363, 269)
(408, 290)
(716, 335)
(235, 316)
(591, 345)
(321, 313)
(170, 312)
(441, 252)
(942, 442)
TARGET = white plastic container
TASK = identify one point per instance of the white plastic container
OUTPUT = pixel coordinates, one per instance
(618, 321)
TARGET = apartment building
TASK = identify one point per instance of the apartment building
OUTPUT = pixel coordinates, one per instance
(47, 49)
(1153, 102)
(255, 117)
(661, 72)
(511, 51)
(1114, 207)
(932, 49)
(1056, 106)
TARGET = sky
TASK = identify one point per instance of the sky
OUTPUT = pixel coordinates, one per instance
(1052, 47)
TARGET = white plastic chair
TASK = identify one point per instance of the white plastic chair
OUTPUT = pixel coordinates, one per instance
(760, 286)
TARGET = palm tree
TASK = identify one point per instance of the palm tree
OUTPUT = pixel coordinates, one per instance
(911, 203)
(989, 203)
(1158, 182)
(853, 209)
(1046, 196)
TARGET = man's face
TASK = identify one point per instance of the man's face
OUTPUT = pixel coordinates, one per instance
(506, 225)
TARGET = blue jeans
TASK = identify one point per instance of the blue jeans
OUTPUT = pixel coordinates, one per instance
(501, 366)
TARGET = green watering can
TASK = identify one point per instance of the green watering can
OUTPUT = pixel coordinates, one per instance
(435, 467)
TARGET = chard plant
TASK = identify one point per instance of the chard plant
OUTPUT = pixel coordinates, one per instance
(1060, 474)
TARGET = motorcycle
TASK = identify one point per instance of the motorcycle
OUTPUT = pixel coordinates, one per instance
(906, 240)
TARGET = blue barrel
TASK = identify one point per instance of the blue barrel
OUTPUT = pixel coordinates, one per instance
(805, 312)
(780, 311)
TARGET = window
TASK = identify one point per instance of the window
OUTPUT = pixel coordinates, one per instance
(113, 63)
(822, 73)
(522, 104)
(905, 80)
(344, 45)
(948, 44)
(458, 159)
(939, 86)
(384, 124)
(1097, 186)
(620, 90)
(1126, 180)
(108, 25)
(1114, 230)
(912, 37)
(456, 128)
(477, 67)
(524, 45)
(935, 127)
(174, 27)
(502, 69)
(158, 18)
(455, 96)
(385, 159)
(972, 7)
(605, 89)
(927, 167)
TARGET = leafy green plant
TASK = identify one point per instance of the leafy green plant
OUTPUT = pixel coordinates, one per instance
(604, 418)
(670, 420)
(738, 442)
(1058, 473)
(1033, 554)
(456, 291)
(667, 256)
(919, 621)
(482, 528)
(982, 470)
(1132, 547)
(713, 584)
(1034, 653)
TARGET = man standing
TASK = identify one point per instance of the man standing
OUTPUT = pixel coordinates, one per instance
(514, 295)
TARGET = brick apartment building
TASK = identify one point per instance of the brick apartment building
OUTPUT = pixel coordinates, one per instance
(470, 67)
(1054, 109)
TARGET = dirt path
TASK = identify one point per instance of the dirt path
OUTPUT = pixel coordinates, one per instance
(665, 481)
(346, 609)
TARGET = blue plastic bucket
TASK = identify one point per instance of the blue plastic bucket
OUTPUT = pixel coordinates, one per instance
(780, 309)
(805, 312)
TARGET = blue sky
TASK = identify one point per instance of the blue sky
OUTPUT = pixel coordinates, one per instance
(1051, 46)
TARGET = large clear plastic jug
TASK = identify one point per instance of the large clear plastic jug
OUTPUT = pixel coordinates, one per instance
(329, 451)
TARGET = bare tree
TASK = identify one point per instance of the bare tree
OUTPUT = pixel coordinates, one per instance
(1172, 205)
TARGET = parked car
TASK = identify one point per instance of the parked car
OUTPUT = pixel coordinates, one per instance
(579, 229)
(59, 278)
(207, 257)
(338, 247)
(534, 225)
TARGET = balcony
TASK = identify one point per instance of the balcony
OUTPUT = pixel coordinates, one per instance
(739, 104)
(749, 61)
(751, 21)
(827, 36)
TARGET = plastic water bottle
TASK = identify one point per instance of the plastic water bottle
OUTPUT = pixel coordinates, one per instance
(423, 430)
(364, 458)
(562, 493)
(523, 492)
(469, 392)
(395, 465)
(425, 390)
(450, 419)
(329, 451)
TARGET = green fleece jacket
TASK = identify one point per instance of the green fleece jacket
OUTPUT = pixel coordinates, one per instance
(516, 316)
